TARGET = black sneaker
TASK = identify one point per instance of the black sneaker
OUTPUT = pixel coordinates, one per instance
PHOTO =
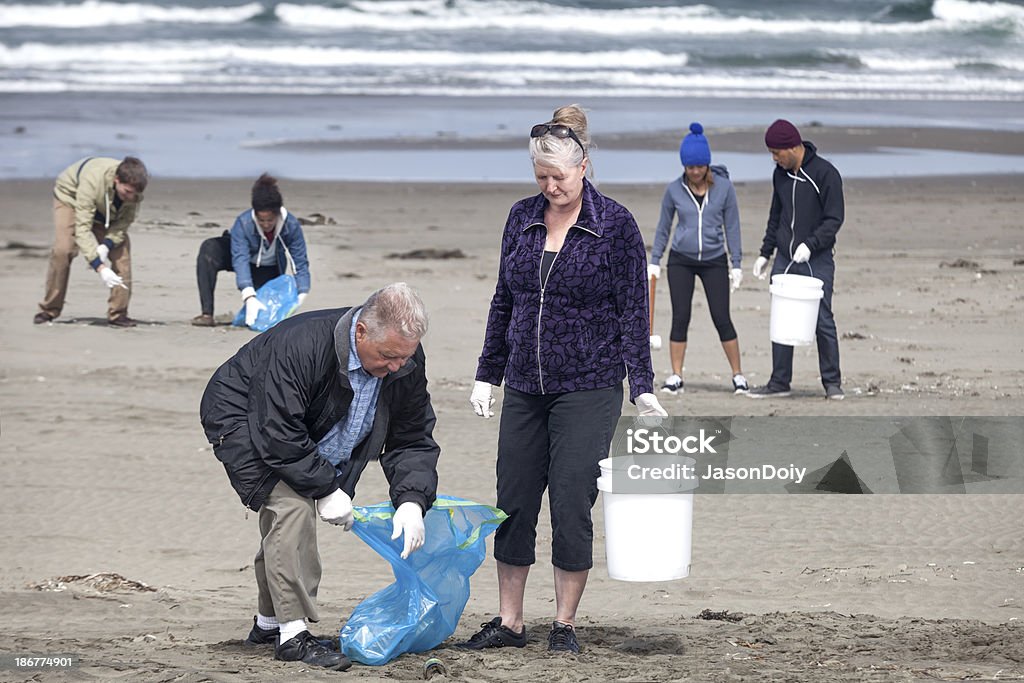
(493, 634)
(739, 384)
(262, 636)
(768, 391)
(563, 638)
(834, 392)
(306, 648)
(673, 385)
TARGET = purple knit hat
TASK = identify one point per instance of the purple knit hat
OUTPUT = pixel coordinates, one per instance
(782, 135)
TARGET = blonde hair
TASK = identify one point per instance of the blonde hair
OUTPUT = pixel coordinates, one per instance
(564, 153)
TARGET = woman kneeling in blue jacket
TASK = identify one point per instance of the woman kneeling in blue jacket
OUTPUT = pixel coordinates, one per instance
(257, 250)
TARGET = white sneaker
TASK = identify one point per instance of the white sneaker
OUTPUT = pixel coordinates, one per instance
(673, 385)
(739, 384)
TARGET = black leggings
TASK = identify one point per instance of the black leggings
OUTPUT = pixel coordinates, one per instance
(714, 275)
(215, 256)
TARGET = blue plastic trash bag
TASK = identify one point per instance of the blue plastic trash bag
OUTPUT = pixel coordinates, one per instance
(280, 296)
(422, 607)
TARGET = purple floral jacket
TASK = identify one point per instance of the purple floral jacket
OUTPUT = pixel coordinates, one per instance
(588, 326)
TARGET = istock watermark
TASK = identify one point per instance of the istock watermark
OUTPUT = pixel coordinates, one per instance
(851, 455)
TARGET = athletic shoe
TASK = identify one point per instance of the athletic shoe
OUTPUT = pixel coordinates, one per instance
(834, 392)
(767, 391)
(41, 318)
(739, 384)
(262, 636)
(673, 385)
(307, 649)
(563, 638)
(493, 634)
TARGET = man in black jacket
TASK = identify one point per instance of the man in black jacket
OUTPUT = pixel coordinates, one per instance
(295, 416)
(806, 213)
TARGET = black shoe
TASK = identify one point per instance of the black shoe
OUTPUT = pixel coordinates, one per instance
(493, 634)
(262, 636)
(834, 392)
(767, 391)
(123, 321)
(306, 648)
(563, 639)
(41, 318)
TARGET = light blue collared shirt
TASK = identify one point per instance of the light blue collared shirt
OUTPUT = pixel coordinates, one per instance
(338, 443)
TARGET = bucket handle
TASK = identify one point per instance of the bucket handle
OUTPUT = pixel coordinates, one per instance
(791, 262)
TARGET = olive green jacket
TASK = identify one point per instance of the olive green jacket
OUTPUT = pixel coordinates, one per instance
(88, 186)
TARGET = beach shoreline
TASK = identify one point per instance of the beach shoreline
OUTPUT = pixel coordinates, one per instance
(431, 138)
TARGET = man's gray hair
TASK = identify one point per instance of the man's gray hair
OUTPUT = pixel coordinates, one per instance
(395, 307)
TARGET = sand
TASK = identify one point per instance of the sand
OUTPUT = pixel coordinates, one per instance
(107, 470)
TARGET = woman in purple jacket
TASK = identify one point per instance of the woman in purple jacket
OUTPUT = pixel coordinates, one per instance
(567, 322)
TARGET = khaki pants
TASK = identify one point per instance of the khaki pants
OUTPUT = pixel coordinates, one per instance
(288, 562)
(64, 251)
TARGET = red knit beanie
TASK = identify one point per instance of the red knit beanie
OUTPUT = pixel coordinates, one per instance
(782, 135)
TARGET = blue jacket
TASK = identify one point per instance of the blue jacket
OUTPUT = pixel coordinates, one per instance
(246, 239)
(807, 206)
(703, 230)
(588, 326)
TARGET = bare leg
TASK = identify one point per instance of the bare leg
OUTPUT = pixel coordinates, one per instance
(677, 354)
(568, 593)
(511, 589)
(732, 352)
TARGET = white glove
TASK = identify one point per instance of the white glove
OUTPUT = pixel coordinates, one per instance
(653, 271)
(760, 267)
(103, 252)
(110, 278)
(647, 406)
(801, 254)
(253, 306)
(336, 508)
(735, 278)
(408, 519)
(481, 399)
(301, 297)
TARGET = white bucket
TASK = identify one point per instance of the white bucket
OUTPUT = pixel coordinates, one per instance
(794, 313)
(647, 535)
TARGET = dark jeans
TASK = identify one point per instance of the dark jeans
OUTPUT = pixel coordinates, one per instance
(215, 256)
(553, 442)
(823, 267)
(714, 275)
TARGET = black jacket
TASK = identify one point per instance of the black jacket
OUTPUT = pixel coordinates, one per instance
(807, 206)
(265, 409)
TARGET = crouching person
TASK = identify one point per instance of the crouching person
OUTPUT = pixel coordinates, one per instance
(295, 416)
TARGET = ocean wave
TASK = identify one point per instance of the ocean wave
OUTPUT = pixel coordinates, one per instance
(173, 55)
(527, 15)
(963, 11)
(96, 13)
(544, 82)
(698, 20)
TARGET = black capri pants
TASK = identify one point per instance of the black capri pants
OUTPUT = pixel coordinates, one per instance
(553, 442)
(714, 275)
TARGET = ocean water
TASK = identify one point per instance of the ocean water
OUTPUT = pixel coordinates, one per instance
(229, 88)
(825, 49)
